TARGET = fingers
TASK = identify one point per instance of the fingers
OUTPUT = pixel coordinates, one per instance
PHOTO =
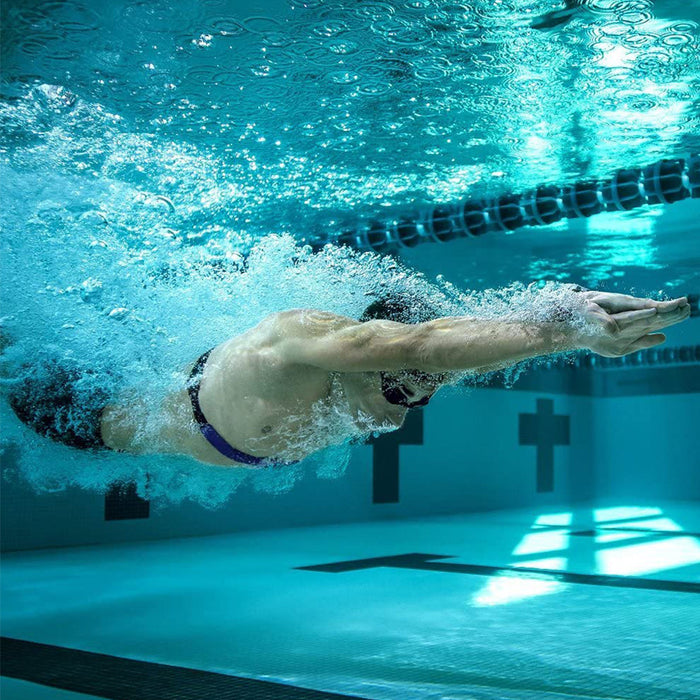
(669, 318)
(648, 341)
(616, 303)
(670, 305)
(651, 318)
(627, 318)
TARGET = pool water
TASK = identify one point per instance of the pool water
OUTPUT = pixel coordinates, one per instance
(327, 610)
(165, 170)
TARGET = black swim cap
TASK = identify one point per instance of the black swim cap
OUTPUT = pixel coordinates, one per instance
(400, 307)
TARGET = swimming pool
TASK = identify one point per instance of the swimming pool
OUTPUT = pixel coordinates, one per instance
(172, 173)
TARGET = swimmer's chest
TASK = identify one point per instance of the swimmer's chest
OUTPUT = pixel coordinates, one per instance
(255, 400)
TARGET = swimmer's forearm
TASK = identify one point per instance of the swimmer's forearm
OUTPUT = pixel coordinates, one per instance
(461, 343)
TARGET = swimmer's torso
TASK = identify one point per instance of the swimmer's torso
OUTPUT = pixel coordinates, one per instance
(262, 405)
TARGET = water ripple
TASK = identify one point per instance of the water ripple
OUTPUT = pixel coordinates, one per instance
(300, 105)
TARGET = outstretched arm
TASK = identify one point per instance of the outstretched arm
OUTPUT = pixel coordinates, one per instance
(615, 325)
(619, 324)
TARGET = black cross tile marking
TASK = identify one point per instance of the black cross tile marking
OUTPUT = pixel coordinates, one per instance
(123, 503)
(385, 457)
(544, 430)
(421, 561)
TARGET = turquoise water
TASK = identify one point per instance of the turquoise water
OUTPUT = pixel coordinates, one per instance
(237, 604)
(152, 152)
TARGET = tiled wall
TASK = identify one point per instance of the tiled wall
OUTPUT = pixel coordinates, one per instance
(558, 435)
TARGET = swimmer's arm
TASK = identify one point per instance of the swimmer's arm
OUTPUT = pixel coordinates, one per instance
(462, 343)
(448, 344)
(615, 325)
(609, 324)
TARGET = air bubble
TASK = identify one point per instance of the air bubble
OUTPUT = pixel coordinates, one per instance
(342, 77)
(677, 39)
(635, 18)
(343, 47)
(119, 314)
(226, 27)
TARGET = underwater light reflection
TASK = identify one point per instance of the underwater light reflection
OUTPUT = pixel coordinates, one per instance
(643, 552)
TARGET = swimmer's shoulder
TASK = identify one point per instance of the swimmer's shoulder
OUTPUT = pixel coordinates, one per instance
(267, 340)
(266, 346)
(309, 323)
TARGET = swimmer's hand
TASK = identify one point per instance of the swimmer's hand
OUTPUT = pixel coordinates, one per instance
(619, 324)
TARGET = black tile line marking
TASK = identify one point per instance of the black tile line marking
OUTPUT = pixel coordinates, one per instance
(118, 678)
(641, 531)
(140, 689)
(420, 561)
(596, 531)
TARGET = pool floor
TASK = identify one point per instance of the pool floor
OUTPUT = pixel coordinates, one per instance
(587, 602)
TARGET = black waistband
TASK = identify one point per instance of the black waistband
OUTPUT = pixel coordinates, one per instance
(210, 433)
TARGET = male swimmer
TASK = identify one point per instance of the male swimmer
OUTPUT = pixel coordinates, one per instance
(253, 400)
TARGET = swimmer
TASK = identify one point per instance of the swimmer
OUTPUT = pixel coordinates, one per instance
(249, 402)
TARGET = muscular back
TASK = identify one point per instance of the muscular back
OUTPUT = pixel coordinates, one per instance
(258, 398)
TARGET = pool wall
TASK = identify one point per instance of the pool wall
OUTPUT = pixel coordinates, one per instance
(460, 454)
(562, 434)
